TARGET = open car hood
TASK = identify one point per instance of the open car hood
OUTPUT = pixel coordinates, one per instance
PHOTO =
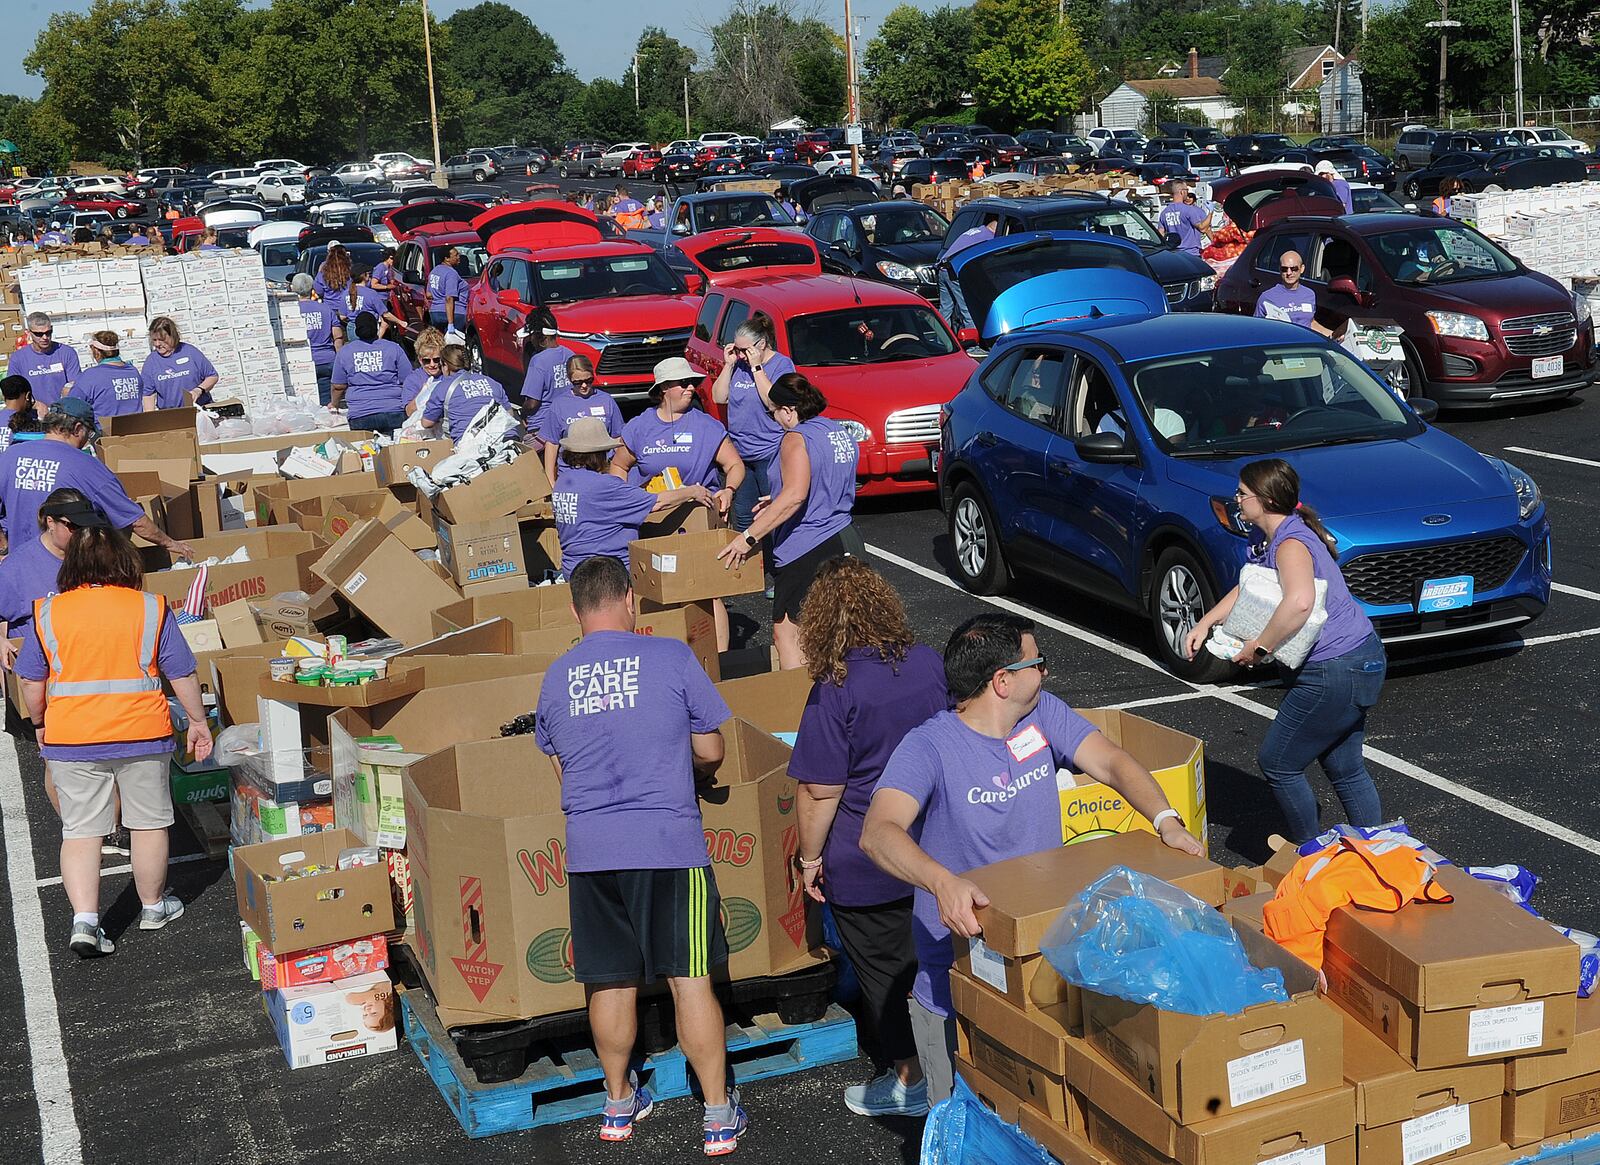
(1038, 277)
(832, 190)
(405, 219)
(1253, 200)
(533, 225)
(740, 252)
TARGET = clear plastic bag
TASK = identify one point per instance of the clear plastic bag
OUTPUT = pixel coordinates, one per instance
(1136, 937)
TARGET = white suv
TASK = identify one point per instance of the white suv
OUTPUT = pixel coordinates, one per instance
(281, 189)
(1544, 135)
(235, 179)
(1104, 136)
(98, 184)
(611, 161)
(718, 138)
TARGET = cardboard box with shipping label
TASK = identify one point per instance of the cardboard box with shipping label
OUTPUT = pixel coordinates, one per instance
(1024, 1052)
(322, 964)
(1208, 1066)
(1567, 1106)
(326, 1023)
(1581, 1058)
(682, 568)
(292, 914)
(393, 463)
(1176, 760)
(1478, 978)
(383, 580)
(475, 552)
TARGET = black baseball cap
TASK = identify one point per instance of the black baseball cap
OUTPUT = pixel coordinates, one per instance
(75, 513)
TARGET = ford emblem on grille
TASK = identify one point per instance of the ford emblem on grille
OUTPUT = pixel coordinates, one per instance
(1436, 519)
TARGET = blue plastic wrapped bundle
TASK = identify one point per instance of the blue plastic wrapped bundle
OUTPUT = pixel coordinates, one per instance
(963, 1131)
(1142, 939)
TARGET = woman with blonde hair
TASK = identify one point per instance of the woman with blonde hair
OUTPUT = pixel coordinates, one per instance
(174, 374)
(873, 683)
(419, 386)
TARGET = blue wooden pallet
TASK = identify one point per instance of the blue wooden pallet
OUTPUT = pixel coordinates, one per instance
(569, 1085)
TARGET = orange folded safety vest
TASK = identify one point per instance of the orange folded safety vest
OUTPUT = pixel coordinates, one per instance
(1376, 875)
(103, 678)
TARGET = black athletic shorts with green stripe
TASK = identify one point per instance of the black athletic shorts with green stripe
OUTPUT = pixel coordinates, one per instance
(637, 926)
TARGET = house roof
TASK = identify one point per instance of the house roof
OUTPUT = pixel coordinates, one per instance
(1179, 87)
(1215, 66)
(1298, 60)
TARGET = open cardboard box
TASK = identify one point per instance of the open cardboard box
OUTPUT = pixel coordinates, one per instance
(1064, 1141)
(772, 701)
(312, 911)
(401, 681)
(392, 463)
(497, 493)
(343, 511)
(164, 434)
(386, 582)
(1176, 760)
(273, 500)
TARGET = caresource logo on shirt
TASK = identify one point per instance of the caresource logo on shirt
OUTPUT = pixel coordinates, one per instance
(36, 474)
(606, 685)
(367, 361)
(999, 790)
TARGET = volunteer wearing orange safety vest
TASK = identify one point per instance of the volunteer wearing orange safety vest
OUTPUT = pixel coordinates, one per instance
(91, 672)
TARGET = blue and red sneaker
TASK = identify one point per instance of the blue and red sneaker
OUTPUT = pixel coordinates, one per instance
(617, 1123)
(724, 1125)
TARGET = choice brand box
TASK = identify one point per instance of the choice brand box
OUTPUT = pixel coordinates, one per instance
(1175, 759)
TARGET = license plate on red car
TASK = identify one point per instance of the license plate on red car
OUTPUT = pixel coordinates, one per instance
(1546, 366)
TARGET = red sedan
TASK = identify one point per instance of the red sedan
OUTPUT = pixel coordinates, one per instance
(110, 203)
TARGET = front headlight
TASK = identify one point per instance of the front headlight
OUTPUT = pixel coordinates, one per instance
(1528, 496)
(889, 269)
(1580, 308)
(1207, 283)
(856, 429)
(1459, 325)
(1226, 511)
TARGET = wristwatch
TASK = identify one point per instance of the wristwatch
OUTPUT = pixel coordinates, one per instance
(748, 541)
(1262, 652)
(757, 367)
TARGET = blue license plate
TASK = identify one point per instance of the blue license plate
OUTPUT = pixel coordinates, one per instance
(1445, 594)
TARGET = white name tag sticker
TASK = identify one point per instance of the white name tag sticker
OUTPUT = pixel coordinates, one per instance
(354, 583)
(1266, 1073)
(1027, 742)
(1496, 1031)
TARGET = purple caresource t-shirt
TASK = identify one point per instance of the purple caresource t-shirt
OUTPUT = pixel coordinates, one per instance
(982, 800)
(755, 434)
(414, 384)
(445, 283)
(170, 379)
(458, 401)
(833, 454)
(1184, 220)
(27, 573)
(373, 373)
(176, 660)
(31, 470)
(598, 704)
(968, 238)
(111, 387)
(1347, 627)
(847, 734)
(567, 406)
(546, 376)
(688, 444)
(596, 514)
(48, 372)
(1295, 305)
(321, 319)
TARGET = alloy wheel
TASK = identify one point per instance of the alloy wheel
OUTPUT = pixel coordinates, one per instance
(1181, 604)
(971, 537)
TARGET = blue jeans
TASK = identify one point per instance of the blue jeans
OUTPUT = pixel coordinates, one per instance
(385, 423)
(750, 491)
(952, 305)
(1323, 718)
(441, 321)
(324, 383)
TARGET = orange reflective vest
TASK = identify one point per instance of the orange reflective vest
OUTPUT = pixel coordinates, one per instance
(102, 680)
(1377, 875)
(633, 220)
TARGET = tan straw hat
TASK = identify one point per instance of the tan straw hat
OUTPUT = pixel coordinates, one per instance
(588, 435)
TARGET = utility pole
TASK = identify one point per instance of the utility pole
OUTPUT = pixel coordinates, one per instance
(686, 105)
(1338, 23)
(1444, 24)
(1364, 4)
(852, 98)
(636, 80)
(1516, 54)
(439, 179)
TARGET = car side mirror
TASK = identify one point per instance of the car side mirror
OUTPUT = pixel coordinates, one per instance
(694, 281)
(1424, 407)
(509, 298)
(1104, 449)
(967, 337)
(1346, 286)
(680, 228)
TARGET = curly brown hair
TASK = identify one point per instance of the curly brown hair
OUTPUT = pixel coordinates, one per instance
(850, 605)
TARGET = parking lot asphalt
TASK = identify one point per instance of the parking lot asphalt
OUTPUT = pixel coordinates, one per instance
(163, 1053)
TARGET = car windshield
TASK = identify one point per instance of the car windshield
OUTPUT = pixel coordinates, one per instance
(756, 210)
(604, 277)
(902, 224)
(1123, 222)
(1370, 200)
(1250, 402)
(868, 335)
(1206, 158)
(361, 255)
(1446, 253)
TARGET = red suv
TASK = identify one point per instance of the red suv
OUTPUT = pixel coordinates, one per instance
(1481, 329)
(812, 146)
(616, 302)
(641, 164)
(423, 232)
(883, 357)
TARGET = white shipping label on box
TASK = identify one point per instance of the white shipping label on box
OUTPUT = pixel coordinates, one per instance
(1497, 1031)
(354, 583)
(1436, 1134)
(988, 966)
(665, 563)
(1312, 1155)
(1266, 1073)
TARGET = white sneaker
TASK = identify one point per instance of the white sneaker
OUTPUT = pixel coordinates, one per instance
(163, 912)
(887, 1096)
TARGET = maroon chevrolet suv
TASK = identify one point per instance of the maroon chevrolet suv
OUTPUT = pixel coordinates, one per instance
(1481, 328)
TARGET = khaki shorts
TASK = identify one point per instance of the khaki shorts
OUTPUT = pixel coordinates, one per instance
(85, 790)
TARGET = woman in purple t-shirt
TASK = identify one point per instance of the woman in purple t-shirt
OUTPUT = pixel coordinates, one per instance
(751, 365)
(1324, 714)
(873, 684)
(813, 491)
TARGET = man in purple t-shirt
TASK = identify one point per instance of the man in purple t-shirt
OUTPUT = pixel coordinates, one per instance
(978, 785)
(951, 302)
(1182, 218)
(50, 367)
(630, 719)
(1288, 299)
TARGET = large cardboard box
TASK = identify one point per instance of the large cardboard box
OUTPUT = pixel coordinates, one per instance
(1026, 895)
(386, 582)
(1539, 1114)
(1063, 1145)
(773, 701)
(225, 584)
(1402, 1111)
(528, 609)
(487, 848)
(1197, 1067)
(1024, 1052)
(475, 552)
(1449, 983)
(345, 510)
(497, 493)
(1176, 760)
(682, 568)
(1132, 1129)
(327, 1023)
(165, 433)
(1582, 1058)
(314, 911)
(1062, 1140)
(392, 463)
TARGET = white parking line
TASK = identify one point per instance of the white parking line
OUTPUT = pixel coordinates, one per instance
(1578, 591)
(1553, 456)
(60, 1139)
(109, 871)
(1232, 696)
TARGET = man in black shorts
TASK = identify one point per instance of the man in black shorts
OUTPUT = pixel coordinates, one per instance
(629, 719)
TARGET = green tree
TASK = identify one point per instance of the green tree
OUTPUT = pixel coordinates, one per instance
(664, 62)
(604, 110)
(769, 62)
(1264, 34)
(1029, 66)
(515, 73)
(917, 65)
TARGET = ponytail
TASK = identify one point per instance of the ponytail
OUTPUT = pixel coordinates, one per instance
(1277, 486)
(759, 327)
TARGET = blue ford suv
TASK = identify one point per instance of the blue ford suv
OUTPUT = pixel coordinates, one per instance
(1100, 441)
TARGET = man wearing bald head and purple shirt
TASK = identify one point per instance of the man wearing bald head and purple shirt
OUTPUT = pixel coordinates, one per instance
(1180, 218)
(49, 366)
(1288, 299)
